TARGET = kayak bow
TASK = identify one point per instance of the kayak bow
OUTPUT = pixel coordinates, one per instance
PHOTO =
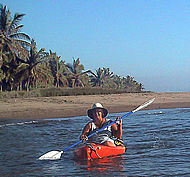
(94, 151)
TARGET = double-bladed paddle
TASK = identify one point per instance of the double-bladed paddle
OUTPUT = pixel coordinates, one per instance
(54, 155)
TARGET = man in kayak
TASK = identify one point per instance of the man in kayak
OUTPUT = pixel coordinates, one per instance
(109, 135)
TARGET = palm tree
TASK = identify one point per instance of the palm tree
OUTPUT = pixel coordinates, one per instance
(31, 71)
(118, 81)
(102, 78)
(42, 76)
(13, 45)
(97, 79)
(75, 74)
(12, 40)
(109, 78)
(132, 84)
(57, 68)
(35, 58)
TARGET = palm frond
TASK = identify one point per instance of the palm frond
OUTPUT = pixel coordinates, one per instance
(20, 36)
(69, 66)
(16, 29)
(16, 20)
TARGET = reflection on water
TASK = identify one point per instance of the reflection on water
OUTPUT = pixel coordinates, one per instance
(158, 143)
(101, 165)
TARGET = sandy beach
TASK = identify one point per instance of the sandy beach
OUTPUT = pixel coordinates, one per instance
(71, 106)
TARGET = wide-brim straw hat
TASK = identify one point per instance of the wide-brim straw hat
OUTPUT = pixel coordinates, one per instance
(97, 106)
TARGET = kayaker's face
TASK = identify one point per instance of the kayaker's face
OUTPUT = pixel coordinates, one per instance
(97, 114)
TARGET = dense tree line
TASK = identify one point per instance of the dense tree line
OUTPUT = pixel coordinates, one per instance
(24, 67)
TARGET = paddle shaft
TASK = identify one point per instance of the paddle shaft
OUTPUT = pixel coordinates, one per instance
(53, 155)
(99, 130)
(129, 113)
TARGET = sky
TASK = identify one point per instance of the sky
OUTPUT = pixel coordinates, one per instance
(146, 39)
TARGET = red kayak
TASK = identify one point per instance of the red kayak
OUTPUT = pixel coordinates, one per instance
(94, 151)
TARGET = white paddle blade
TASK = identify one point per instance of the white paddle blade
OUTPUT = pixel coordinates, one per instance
(52, 155)
(144, 105)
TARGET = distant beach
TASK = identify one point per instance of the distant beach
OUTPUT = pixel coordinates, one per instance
(72, 106)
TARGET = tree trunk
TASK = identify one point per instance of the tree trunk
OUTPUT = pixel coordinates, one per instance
(28, 83)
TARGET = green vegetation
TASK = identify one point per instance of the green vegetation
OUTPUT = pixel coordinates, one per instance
(48, 92)
(41, 73)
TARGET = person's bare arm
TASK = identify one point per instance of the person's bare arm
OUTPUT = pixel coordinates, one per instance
(117, 130)
(85, 132)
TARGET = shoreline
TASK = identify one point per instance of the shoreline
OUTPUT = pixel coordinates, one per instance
(73, 106)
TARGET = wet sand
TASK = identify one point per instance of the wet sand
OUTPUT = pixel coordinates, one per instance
(72, 106)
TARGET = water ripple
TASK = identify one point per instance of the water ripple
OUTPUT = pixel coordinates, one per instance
(158, 143)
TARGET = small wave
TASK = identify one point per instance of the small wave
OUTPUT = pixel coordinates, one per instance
(19, 123)
(156, 113)
(40, 121)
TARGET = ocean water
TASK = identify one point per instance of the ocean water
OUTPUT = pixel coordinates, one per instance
(158, 144)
